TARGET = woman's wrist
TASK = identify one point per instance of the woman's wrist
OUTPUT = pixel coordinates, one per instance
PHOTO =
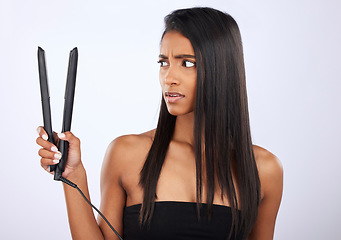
(75, 174)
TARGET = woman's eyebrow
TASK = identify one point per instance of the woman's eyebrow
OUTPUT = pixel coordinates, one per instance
(184, 56)
(180, 56)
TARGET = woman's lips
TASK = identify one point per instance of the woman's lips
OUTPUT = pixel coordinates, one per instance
(172, 97)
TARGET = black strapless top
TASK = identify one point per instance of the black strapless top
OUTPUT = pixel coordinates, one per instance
(178, 221)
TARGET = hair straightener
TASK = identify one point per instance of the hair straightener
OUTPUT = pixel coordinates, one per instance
(63, 146)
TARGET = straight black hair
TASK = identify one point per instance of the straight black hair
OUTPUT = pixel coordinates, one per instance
(221, 120)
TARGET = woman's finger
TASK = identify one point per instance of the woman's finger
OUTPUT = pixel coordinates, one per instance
(42, 133)
(48, 161)
(46, 168)
(68, 136)
(50, 155)
(46, 144)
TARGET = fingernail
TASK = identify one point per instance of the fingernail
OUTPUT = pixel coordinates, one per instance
(55, 161)
(57, 156)
(54, 149)
(45, 137)
(61, 135)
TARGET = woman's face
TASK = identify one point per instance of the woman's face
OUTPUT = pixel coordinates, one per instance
(178, 73)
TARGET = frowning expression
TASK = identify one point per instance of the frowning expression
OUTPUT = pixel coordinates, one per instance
(178, 73)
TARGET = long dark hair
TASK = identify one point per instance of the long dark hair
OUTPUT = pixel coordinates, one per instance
(221, 119)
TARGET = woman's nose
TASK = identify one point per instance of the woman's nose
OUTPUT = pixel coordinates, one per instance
(171, 77)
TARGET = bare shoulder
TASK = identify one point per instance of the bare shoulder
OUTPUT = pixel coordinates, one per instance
(129, 147)
(123, 161)
(266, 161)
(270, 169)
(132, 141)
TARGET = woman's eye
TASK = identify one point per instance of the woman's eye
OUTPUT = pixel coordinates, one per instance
(188, 64)
(162, 63)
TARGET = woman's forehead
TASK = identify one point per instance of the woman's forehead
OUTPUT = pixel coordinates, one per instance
(174, 43)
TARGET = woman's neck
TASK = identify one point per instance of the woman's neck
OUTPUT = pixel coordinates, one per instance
(183, 131)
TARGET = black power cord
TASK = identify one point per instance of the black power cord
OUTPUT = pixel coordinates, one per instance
(68, 182)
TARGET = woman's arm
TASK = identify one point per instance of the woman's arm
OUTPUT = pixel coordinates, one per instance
(82, 222)
(271, 178)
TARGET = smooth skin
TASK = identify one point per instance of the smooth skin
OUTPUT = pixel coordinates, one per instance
(126, 155)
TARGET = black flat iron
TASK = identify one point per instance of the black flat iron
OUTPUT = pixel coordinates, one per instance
(63, 146)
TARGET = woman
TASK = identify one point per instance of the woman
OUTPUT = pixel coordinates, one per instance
(197, 175)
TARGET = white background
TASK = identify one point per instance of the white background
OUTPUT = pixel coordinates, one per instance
(292, 55)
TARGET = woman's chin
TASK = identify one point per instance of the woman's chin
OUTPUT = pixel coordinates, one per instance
(179, 112)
